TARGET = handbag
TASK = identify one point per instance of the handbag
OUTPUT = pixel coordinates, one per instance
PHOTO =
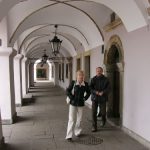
(68, 99)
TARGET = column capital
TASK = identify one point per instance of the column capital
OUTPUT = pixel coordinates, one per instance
(13, 54)
(18, 56)
(8, 52)
(32, 61)
(55, 63)
(24, 59)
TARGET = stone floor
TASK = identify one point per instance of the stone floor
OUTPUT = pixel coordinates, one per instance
(41, 125)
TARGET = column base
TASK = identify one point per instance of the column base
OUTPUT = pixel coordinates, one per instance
(2, 141)
(137, 137)
(10, 121)
(28, 98)
(18, 105)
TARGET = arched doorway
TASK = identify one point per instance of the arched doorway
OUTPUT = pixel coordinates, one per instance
(114, 69)
(42, 73)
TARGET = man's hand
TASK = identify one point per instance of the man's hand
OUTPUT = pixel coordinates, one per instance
(101, 93)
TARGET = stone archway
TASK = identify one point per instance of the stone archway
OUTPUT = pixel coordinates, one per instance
(114, 69)
(42, 72)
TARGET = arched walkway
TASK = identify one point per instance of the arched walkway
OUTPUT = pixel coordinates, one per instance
(32, 101)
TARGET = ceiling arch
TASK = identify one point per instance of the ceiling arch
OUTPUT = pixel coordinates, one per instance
(91, 11)
(117, 5)
(7, 5)
(45, 29)
(37, 51)
(65, 8)
(45, 38)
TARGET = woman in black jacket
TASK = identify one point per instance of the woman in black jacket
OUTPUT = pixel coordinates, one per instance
(78, 92)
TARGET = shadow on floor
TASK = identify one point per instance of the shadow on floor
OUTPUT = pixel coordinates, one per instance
(10, 147)
(21, 119)
(28, 101)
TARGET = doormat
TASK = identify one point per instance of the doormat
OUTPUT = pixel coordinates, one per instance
(89, 140)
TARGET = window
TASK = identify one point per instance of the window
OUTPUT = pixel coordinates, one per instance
(59, 71)
(78, 64)
(63, 72)
(67, 71)
(52, 71)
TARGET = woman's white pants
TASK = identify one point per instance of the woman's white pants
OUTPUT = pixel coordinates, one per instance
(74, 123)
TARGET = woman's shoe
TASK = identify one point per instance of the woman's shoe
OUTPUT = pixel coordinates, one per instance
(94, 129)
(69, 139)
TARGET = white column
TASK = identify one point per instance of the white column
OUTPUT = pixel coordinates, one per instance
(18, 80)
(31, 74)
(56, 72)
(7, 93)
(24, 76)
(52, 72)
(1, 133)
(83, 62)
(27, 76)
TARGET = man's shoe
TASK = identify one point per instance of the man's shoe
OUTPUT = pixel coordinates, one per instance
(99, 115)
(103, 123)
(78, 135)
(69, 139)
(94, 129)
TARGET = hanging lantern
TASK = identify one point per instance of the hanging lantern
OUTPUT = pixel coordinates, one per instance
(55, 43)
(44, 59)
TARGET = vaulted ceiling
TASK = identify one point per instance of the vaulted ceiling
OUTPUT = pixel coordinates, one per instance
(80, 22)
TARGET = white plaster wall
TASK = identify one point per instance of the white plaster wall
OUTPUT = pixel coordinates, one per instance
(97, 59)
(1, 134)
(74, 66)
(136, 98)
(3, 32)
(136, 102)
(64, 84)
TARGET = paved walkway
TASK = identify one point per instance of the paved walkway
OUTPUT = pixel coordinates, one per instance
(42, 125)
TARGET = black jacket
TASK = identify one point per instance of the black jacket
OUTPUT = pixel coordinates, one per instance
(78, 98)
(99, 84)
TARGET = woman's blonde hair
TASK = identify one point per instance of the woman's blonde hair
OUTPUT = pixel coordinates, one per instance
(80, 71)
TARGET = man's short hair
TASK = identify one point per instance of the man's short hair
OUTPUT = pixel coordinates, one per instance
(100, 68)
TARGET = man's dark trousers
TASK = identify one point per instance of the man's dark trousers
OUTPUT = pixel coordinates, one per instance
(95, 105)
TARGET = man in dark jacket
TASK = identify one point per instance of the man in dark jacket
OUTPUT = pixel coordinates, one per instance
(100, 88)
